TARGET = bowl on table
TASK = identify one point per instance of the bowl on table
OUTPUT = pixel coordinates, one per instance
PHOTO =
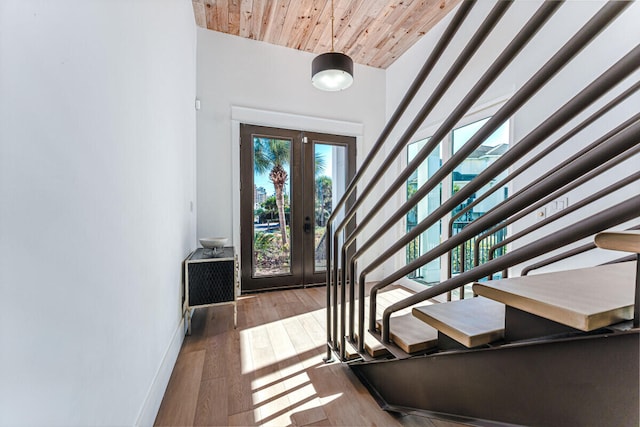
(213, 245)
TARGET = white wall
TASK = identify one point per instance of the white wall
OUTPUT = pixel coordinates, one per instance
(97, 152)
(268, 85)
(615, 41)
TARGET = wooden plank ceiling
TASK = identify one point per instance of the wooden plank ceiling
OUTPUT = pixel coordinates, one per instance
(371, 32)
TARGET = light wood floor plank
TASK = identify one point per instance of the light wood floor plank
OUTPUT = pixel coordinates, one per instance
(184, 382)
(242, 419)
(212, 408)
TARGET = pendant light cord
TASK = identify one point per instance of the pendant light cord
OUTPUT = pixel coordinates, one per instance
(332, 17)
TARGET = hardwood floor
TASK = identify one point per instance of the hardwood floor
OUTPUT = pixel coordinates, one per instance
(268, 371)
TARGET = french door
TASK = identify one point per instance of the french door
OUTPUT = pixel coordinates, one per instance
(289, 183)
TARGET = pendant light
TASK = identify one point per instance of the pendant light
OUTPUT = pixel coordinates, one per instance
(332, 71)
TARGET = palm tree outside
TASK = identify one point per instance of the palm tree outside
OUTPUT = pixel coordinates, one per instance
(272, 155)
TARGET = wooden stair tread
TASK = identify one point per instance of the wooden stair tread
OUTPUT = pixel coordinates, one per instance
(627, 241)
(350, 351)
(471, 322)
(410, 334)
(585, 299)
(373, 346)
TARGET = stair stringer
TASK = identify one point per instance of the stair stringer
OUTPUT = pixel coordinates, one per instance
(586, 380)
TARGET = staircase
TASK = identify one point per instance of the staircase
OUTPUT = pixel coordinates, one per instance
(561, 347)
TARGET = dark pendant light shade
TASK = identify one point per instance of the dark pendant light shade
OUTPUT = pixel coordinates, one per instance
(332, 71)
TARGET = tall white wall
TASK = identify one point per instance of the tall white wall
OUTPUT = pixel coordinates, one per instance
(237, 72)
(97, 153)
(614, 42)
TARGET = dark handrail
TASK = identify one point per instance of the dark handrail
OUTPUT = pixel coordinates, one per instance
(419, 80)
(574, 207)
(582, 100)
(603, 220)
(618, 144)
(564, 255)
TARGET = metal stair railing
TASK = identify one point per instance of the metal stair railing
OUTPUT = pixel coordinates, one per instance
(611, 148)
(574, 207)
(573, 252)
(542, 202)
(415, 86)
(436, 95)
(595, 90)
(489, 76)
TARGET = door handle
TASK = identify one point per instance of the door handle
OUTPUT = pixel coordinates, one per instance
(307, 224)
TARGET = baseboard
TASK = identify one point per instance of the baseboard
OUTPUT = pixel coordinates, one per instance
(151, 405)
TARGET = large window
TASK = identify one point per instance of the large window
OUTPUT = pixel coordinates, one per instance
(427, 240)
(484, 155)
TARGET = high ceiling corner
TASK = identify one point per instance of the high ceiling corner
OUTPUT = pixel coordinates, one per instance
(371, 32)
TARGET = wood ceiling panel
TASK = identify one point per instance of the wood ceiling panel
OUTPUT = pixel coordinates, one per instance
(372, 32)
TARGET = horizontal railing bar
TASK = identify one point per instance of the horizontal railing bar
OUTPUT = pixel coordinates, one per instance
(483, 83)
(564, 255)
(619, 260)
(532, 86)
(409, 96)
(618, 144)
(456, 68)
(454, 71)
(602, 140)
(436, 95)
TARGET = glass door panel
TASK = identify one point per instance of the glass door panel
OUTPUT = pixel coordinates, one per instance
(330, 173)
(271, 251)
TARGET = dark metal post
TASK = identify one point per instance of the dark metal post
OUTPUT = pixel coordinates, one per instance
(636, 305)
(329, 357)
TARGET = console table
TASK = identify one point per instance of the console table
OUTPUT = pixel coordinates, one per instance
(210, 280)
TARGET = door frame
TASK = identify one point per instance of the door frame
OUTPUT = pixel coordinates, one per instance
(240, 114)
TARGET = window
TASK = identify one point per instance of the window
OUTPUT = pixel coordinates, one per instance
(472, 208)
